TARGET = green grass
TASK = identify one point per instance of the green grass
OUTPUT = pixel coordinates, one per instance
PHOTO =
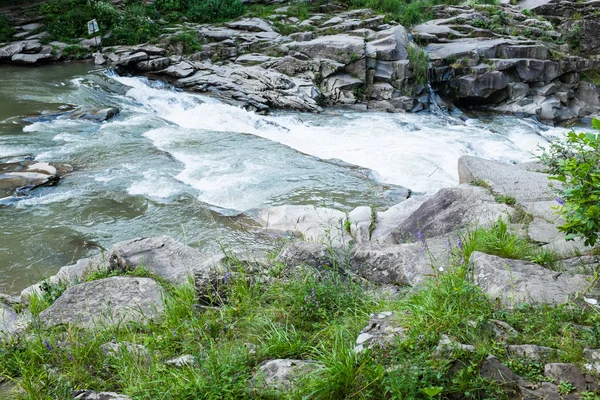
(305, 314)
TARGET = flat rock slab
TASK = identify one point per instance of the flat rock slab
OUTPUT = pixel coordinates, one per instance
(513, 282)
(162, 255)
(106, 302)
(506, 179)
(27, 175)
(315, 224)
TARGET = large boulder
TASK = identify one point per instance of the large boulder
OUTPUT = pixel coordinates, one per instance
(512, 282)
(506, 179)
(341, 48)
(8, 321)
(388, 45)
(388, 221)
(106, 302)
(162, 255)
(450, 210)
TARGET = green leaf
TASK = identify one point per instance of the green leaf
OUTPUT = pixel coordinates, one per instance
(596, 123)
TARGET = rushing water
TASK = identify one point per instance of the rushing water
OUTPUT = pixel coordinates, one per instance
(185, 165)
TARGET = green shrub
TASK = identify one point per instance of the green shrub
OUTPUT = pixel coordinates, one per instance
(134, 26)
(75, 51)
(206, 11)
(189, 42)
(575, 161)
(5, 29)
(67, 19)
(419, 63)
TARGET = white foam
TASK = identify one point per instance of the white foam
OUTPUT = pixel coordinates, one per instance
(46, 199)
(154, 186)
(416, 151)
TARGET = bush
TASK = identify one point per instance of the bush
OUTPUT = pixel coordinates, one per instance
(205, 11)
(66, 19)
(5, 29)
(134, 26)
(575, 161)
(419, 64)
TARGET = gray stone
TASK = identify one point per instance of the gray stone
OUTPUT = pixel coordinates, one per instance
(390, 220)
(494, 370)
(592, 357)
(506, 179)
(95, 115)
(303, 253)
(481, 85)
(315, 224)
(161, 255)
(187, 360)
(501, 330)
(28, 59)
(388, 45)
(106, 302)
(28, 175)
(93, 42)
(446, 346)
(181, 70)
(8, 321)
(340, 48)
(541, 231)
(512, 282)
(566, 373)
(381, 331)
(155, 64)
(517, 89)
(531, 351)
(545, 390)
(94, 395)
(588, 93)
(128, 59)
(251, 25)
(453, 209)
(280, 374)
(8, 51)
(99, 59)
(32, 27)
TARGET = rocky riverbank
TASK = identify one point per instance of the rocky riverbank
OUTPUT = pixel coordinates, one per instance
(421, 242)
(520, 59)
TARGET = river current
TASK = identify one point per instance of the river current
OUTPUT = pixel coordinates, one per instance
(186, 165)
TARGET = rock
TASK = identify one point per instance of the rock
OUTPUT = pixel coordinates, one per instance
(29, 59)
(447, 346)
(531, 351)
(482, 86)
(506, 179)
(137, 352)
(251, 25)
(94, 395)
(494, 370)
(8, 51)
(108, 302)
(96, 115)
(32, 26)
(161, 255)
(541, 231)
(8, 321)
(382, 330)
(93, 42)
(155, 64)
(546, 391)
(300, 253)
(181, 70)
(341, 48)
(315, 224)
(18, 177)
(450, 210)
(390, 220)
(566, 373)
(186, 360)
(501, 330)
(512, 282)
(281, 374)
(593, 360)
(588, 93)
(99, 59)
(128, 59)
(388, 45)
(340, 88)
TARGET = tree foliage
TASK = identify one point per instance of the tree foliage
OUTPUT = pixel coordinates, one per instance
(575, 162)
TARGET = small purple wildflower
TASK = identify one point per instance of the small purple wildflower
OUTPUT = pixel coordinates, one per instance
(421, 239)
(314, 296)
(48, 345)
(71, 358)
(559, 201)
(459, 243)
(226, 276)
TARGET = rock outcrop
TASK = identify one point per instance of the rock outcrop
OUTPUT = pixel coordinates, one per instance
(18, 176)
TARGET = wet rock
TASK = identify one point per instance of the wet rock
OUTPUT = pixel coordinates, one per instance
(94, 395)
(381, 331)
(107, 302)
(281, 374)
(512, 282)
(96, 115)
(531, 351)
(17, 177)
(161, 255)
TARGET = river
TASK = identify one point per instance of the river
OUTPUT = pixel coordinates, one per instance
(186, 165)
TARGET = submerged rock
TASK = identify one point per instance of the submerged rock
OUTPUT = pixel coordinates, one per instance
(92, 115)
(20, 176)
